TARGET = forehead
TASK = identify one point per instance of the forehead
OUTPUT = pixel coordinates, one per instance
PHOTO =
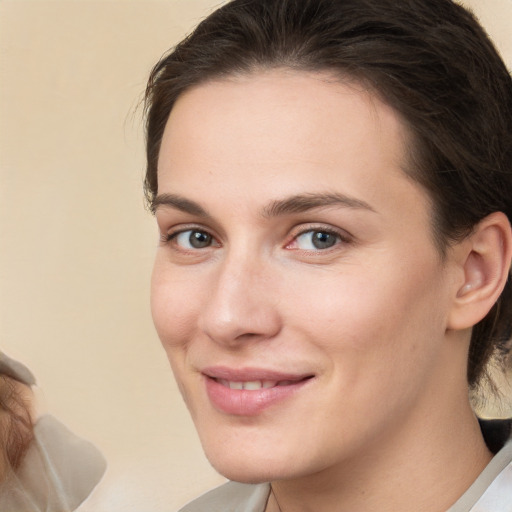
(263, 131)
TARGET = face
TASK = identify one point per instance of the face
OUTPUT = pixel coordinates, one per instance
(296, 289)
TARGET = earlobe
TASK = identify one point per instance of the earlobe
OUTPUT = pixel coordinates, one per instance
(486, 266)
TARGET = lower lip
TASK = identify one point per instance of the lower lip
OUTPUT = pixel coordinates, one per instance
(242, 402)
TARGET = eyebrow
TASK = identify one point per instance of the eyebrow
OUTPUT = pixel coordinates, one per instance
(179, 203)
(305, 202)
(295, 204)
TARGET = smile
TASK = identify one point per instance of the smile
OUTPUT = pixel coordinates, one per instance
(230, 393)
(254, 385)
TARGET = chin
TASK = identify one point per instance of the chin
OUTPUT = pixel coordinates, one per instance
(248, 469)
(250, 450)
(245, 473)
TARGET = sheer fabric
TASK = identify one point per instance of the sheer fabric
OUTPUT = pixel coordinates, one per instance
(57, 472)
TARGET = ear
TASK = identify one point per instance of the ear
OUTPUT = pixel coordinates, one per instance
(485, 257)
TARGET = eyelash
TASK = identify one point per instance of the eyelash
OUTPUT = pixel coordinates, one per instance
(168, 238)
(341, 237)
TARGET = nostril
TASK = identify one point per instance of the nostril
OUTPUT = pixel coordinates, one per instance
(248, 335)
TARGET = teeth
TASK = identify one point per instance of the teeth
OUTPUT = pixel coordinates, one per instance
(252, 385)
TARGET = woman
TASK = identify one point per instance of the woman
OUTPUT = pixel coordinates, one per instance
(332, 184)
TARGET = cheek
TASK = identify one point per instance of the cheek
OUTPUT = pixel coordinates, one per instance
(372, 307)
(175, 319)
(174, 307)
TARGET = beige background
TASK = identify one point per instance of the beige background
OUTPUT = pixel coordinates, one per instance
(76, 244)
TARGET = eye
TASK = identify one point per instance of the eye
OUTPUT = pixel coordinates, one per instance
(316, 240)
(192, 239)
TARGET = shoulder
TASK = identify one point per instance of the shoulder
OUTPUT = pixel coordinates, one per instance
(231, 497)
(498, 495)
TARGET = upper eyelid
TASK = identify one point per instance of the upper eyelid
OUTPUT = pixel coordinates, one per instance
(313, 226)
(169, 238)
(181, 228)
(311, 231)
(172, 234)
(172, 224)
(294, 232)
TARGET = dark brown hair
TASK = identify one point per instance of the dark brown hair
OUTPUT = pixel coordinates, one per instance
(429, 59)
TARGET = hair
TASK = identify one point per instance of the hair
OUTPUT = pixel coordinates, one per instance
(430, 60)
(16, 428)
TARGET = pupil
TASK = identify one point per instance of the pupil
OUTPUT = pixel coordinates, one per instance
(323, 240)
(199, 239)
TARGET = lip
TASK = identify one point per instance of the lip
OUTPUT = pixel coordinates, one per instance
(245, 402)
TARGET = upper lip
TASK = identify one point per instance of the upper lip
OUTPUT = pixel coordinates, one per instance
(252, 374)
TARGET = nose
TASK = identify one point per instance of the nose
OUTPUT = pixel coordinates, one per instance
(243, 305)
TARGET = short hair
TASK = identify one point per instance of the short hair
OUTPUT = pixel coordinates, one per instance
(430, 60)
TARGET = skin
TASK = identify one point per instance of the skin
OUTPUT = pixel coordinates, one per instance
(385, 419)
